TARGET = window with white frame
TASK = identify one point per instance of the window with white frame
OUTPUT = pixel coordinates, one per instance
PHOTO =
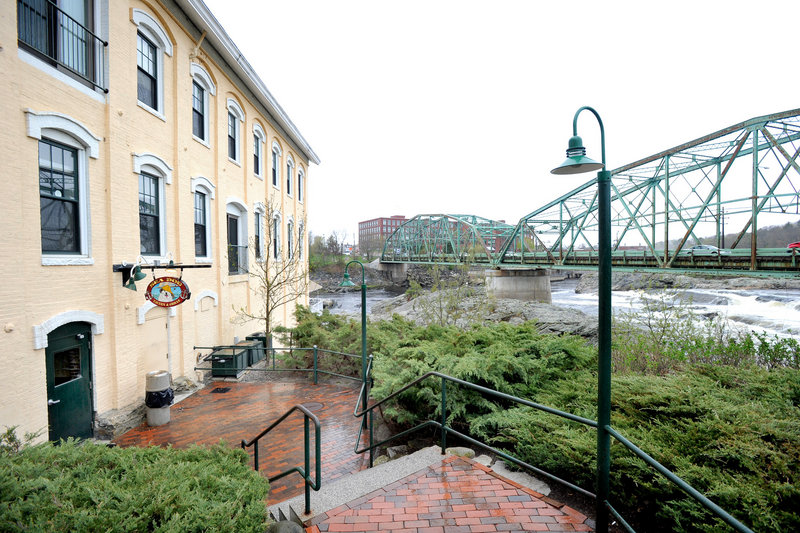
(147, 72)
(258, 235)
(59, 198)
(64, 149)
(199, 114)
(235, 121)
(300, 240)
(152, 44)
(150, 220)
(200, 224)
(153, 174)
(236, 220)
(203, 191)
(300, 184)
(289, 242)
(289, 174)
(259, 138)
(276, 165)
(202, 88)
(276, 237)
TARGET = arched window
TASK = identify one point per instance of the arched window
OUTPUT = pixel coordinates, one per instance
(236, 218)
(203, 191)
(259, 139)
(65, 147)
(276, 165)
(152, 44)
(300, 184)
(275, 237)
(202, 89)
(289, 239)
(153, 175)
(258, 235)
(235, 121)
(289, 174)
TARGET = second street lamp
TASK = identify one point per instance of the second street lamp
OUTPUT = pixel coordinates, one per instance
(576, 163)
(347, 283)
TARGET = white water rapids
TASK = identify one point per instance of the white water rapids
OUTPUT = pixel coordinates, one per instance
(770, 311)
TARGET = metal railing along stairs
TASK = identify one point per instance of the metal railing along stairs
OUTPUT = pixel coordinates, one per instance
(445, 430)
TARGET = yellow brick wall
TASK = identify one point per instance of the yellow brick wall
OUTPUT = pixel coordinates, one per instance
(33, 293)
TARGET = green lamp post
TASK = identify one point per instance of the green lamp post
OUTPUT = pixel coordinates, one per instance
(577, 163)
(347, 283)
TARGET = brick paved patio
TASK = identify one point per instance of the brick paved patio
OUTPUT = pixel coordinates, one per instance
(456, 496)
(246, 409)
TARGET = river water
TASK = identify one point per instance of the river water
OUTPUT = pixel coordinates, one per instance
(770, 311)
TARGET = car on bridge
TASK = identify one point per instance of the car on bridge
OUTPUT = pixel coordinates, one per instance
(705, 249)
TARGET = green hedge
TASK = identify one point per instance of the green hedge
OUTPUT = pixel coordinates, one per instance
(91, 487)
(732, 432)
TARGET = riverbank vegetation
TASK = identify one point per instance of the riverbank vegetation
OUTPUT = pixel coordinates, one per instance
(722, 413)
(91, 487)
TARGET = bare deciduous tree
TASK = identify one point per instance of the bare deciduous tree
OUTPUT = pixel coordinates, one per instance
(279, 268)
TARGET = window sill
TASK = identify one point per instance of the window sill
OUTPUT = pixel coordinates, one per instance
(204, 260)
(259, 176)
(235, 162)
(152, 111)
(66, 260)
(238, 278)
(201, 141)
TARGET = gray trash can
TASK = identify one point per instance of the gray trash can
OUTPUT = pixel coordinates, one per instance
(158, 397)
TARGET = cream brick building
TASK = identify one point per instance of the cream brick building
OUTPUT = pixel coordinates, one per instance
(153, 139)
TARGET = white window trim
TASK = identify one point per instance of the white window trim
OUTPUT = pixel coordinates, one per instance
(276, 160)
(200, 75)
(236, 207)
(203, 185)
(289, 230)
(61, 128)
(150, 28)
(275, 234)
(259, 134)
(290, 174)
(155, 166)
(261, 209)
(205, 294)
(234, 108)
(301, 184)
(301, 230)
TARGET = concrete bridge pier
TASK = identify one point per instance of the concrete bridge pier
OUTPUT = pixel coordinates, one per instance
(396, 272)
(527, 285)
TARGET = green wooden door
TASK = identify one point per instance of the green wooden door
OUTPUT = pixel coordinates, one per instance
(69, 381)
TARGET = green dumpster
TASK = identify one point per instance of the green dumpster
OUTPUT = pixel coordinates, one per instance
(259, 353)
(229, 361)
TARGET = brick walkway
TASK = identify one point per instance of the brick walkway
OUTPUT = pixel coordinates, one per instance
(456, 496)
(246, 409)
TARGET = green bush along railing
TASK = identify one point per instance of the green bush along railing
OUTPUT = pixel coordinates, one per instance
(445, 430)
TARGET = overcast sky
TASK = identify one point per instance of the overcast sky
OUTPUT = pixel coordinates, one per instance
(445, 106)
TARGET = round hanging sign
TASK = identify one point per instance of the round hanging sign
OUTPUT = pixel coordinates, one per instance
(167, 292)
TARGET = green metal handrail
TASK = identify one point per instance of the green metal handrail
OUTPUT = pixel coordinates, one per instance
(304, 472)
(688, 489)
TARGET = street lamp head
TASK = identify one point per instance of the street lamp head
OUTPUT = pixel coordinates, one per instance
(576, 162)
(346, 281)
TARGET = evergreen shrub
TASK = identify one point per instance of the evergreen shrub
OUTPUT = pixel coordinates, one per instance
(90, 487)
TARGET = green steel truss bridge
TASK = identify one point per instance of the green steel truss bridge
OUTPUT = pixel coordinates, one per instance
(714, 190)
